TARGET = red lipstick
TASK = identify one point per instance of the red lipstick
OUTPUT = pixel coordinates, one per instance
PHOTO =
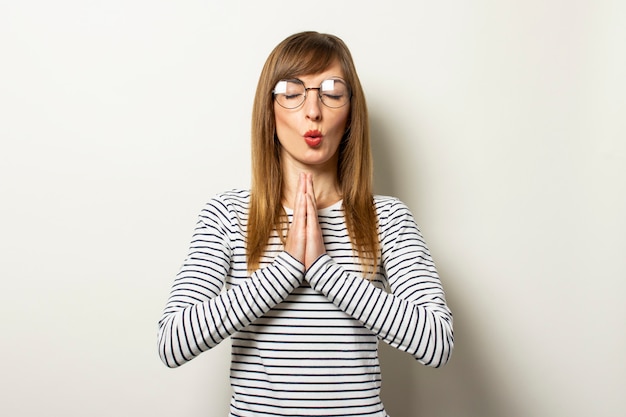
(313, 138)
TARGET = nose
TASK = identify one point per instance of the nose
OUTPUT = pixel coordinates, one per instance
(313, 104)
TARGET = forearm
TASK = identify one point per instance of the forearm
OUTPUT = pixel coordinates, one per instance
(421, 327)
(190, 326)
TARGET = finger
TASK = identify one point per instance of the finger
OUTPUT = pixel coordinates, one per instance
(312, 222)
(310, 190)
(314, 238)
(298, 223)
(302, 183)
(296, 235)
(299, 204)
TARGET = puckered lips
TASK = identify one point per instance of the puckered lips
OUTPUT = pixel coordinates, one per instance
(313, 138)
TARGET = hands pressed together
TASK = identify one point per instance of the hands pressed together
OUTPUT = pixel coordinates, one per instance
(304, 239)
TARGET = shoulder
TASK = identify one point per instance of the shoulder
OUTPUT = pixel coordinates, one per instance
(235, 198)
(392, 213)
(387, 205)
(232, 203)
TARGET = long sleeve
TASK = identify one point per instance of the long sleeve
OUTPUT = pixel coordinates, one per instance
(414, 316)
(199, 314)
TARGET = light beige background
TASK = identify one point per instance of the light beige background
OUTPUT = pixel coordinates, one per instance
(501, 124)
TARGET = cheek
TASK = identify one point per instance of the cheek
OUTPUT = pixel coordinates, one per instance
(341, 123)
(281, 120)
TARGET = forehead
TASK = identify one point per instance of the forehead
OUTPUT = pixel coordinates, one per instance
(333, 70)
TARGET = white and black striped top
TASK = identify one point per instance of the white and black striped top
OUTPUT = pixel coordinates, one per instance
(305, 343)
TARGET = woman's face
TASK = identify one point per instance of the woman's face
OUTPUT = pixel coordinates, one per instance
(311, 133)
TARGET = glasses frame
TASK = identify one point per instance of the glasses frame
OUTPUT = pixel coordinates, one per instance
(319, 92)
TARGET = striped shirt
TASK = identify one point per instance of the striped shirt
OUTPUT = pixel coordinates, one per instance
(305, 343)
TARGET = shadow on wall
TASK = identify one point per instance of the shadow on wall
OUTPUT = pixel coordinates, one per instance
(460, 388)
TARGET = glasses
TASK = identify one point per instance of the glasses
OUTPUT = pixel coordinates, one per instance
(333, 93)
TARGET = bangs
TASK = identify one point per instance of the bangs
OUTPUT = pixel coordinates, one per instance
(310, 56)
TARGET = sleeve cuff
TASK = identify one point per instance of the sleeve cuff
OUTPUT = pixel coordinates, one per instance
(316, 271)
(295, 266)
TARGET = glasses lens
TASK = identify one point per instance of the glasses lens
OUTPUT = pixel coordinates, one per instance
(333, 93)
(289, 93)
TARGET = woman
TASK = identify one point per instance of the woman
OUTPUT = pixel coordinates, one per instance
(307, 270)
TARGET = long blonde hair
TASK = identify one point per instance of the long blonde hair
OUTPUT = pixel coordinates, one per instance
(302, 54)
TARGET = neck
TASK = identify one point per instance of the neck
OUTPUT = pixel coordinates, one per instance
(325, 184)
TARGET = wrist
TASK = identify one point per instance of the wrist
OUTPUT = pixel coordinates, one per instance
(315, 272)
